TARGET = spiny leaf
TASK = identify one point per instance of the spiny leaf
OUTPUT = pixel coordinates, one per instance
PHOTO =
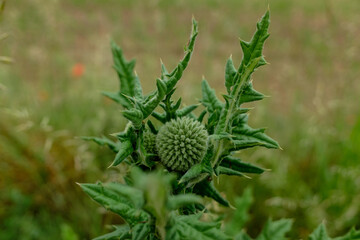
(252, 139)
(152, 127)
(177, 201)
(172, 78)
(238, 165)
(351, 235)
(164, 71)
(228, 171)
(209, 99)
(242, 236)
(149, 96)
(129, 82)
(319, 233)
(244, 136)
(230, 106)
(134, 195)
(119, 98)
(120, 233)
(212, 122)
(190, 227)
(103, 141)
(238, 111)
(244, 79)
(112, 201)
(206, 188)
(159, 116)
(249, 94)
(135, 116)
(177, 105)
(140, 231)
(196, 171)
(201, 116)
(186, 110)
(220, 136)
(253, 49)
(275, 230)
(200, 171)
(240, 215)
(152, 103)
(125, 149)
(230, 72)
(156, 187)
(252, 58)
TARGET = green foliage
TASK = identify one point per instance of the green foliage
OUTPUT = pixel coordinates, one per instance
(237, 165)
(227, 122)
(312, 117)
(190, 227)
(240, 216)
(319, 233)
(278, 229)
(120, 232)
(166, 204)
(273, 230)
(149, 209)
(183, 144)
(67, 233)
(115, 147)
(195, 151)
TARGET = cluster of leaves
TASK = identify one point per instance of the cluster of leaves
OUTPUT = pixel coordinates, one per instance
(152, 212)
(226, 122)
(273, 229)
(228, 130)
(150, 209)
(163, 204)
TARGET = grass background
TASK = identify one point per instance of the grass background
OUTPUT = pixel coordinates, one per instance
(51, 94)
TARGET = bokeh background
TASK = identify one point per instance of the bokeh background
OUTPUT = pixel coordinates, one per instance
(51, 94)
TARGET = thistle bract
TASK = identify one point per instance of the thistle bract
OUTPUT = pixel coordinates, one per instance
(181, 143)
(150, 142)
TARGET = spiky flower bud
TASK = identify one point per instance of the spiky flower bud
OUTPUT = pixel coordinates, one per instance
(181, 143)
(149, 142)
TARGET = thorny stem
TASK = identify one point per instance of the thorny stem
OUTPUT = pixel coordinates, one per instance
(236, 92)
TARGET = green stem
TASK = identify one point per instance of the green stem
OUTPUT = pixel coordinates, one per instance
(236, 94)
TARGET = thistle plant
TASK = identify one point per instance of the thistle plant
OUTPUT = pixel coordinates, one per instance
(174, 155)
(193, 149)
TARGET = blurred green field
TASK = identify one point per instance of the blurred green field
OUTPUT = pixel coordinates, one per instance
(51, 94)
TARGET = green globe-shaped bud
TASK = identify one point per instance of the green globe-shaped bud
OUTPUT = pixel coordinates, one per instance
(181, 143)
(149, 142)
